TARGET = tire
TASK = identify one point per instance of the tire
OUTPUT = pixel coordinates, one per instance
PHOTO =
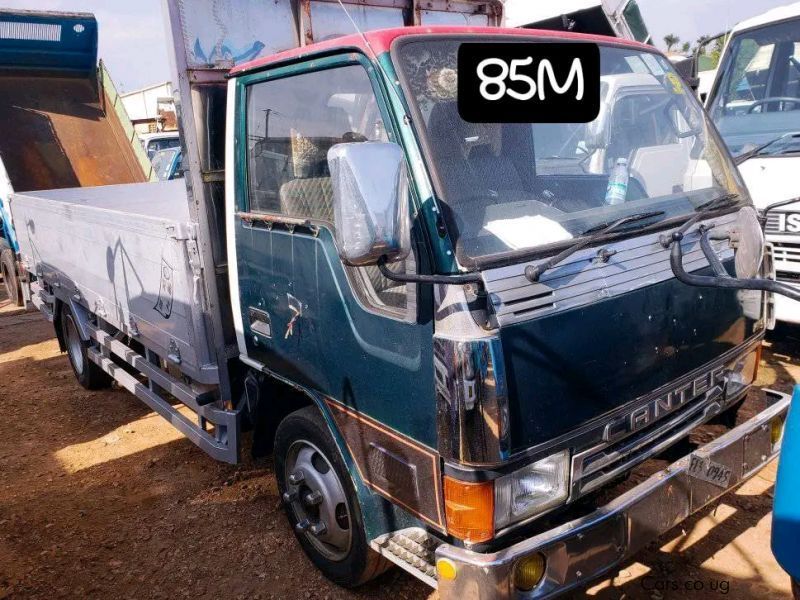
(303, 444)
(88, 374)
(8, 268)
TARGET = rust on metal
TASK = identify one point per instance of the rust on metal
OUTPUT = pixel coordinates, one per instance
(55, 133)
(305, 22)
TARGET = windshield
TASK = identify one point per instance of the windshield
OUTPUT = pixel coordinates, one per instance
(164, 162)
(758, 97)
(157, 144)
(516, 187)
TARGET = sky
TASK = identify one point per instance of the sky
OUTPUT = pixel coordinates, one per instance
(690, 19)
(133, 38)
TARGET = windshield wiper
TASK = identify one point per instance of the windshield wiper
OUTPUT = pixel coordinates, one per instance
(590, 236)
(737, 160)
(719, 203)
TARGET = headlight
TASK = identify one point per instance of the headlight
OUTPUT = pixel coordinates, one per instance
(531, 490)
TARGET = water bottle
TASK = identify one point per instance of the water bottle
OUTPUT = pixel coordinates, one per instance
(617, 189)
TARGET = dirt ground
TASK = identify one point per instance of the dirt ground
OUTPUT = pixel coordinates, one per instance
(100, 498)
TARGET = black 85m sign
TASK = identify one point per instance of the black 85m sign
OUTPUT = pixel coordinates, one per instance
(528, 82)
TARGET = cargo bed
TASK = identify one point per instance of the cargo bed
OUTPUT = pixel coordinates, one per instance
(62, 123)
(126, 253)
(57, 131)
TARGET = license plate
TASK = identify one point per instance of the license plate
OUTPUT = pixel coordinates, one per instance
(710, 471)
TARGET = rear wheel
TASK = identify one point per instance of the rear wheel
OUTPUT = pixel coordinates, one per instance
(10, 279)
(88, 374)
(320, 500)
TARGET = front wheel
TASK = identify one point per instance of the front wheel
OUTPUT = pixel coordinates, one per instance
(320, 500)
(88, 374)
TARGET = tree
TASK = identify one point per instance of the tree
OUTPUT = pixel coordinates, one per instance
(719, 46)
(670, 40)
(700, 44)
(686, 48)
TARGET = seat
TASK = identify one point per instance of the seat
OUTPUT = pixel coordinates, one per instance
(312, 198)
(480, 159)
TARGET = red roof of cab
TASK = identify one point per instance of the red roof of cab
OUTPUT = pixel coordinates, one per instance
(380, 41)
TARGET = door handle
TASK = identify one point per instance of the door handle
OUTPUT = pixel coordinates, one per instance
(260, 322)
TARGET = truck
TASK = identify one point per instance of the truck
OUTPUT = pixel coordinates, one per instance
(61, 121)
(463, 359)
(604, 17)
(755, 104)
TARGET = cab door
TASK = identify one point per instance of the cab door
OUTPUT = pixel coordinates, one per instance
(346, 333)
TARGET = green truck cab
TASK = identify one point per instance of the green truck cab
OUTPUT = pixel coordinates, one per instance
(455, 346)
(484, 405)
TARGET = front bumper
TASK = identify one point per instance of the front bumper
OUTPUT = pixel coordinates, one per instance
(587, 548)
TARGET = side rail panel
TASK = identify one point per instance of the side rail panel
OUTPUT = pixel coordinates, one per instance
(215, 431)
(147, 376)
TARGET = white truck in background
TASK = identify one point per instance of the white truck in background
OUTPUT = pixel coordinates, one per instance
(755, 104)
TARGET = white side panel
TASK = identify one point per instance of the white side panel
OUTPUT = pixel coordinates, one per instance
(132, 269)
(330, 21)
(522, 12)
(772, 179)
(217, 32)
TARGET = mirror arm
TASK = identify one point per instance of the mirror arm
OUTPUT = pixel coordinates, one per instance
(432, 279)
(711, 256)
(720, 281)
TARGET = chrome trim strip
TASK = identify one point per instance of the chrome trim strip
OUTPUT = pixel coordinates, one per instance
(584, 279)
(472, 417)
(696, 416)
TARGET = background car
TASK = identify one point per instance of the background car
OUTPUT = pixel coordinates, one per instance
(153, 142)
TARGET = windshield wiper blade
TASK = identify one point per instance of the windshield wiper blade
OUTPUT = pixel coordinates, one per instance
(533, 272)
(717, 203)
(737, 160)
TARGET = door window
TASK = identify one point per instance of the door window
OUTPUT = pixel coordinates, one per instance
(292, 122)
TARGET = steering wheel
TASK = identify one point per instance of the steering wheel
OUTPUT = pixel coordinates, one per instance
(769, 100)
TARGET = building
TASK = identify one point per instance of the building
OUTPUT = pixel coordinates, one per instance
(152, 108)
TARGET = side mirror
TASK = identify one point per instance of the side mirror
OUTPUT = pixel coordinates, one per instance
(370, 202)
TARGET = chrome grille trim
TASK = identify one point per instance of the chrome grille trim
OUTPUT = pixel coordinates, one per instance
(773, 222)
(786, 252)
(588, 467)
(594, 466)
(582, 280)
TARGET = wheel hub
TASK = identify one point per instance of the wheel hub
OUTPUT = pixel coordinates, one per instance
(317, 498)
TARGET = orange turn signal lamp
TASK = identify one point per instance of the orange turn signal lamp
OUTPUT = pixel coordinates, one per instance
(469, 509)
